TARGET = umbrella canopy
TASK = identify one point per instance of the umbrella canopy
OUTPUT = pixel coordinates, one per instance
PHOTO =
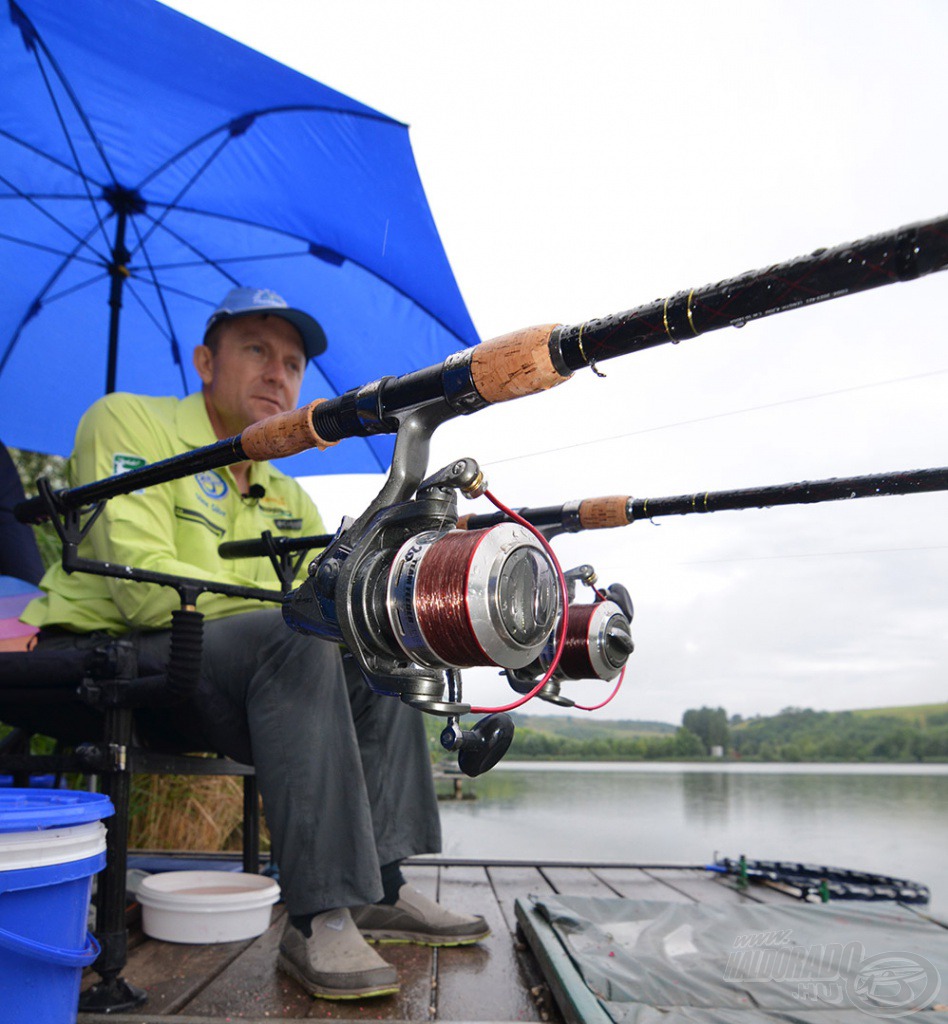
(149, 164)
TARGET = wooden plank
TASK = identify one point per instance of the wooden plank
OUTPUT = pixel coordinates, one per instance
(510, 883)
(251, 984)
(756, 891)
(701, 886)
(486, 978)
(576, 881)
(577, 1003)
(636, 884)
(173, 973)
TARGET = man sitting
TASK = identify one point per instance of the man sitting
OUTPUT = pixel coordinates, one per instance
(344, 773)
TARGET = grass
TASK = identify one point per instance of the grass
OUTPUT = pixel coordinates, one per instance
(913, 713)
(188, 812)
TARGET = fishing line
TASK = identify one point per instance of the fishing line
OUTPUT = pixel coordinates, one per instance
(441, 598)
(615, 691)
(715, 416)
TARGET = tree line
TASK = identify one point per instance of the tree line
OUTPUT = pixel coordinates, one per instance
(795, 734)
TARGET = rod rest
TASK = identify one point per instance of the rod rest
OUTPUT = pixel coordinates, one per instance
(125, 689)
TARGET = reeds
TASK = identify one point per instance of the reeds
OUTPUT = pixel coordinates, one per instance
(198, 813)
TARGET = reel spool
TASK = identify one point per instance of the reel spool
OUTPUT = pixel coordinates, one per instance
(466, 598)
(598, 644)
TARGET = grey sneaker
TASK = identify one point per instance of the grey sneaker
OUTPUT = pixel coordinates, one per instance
(335, 962)
(415, 918)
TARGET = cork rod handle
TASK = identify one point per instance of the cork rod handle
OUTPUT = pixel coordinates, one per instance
(515, 364)
(604, 513)
(286, 433)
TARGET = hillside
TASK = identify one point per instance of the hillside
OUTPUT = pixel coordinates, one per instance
(911, 733)
(590, 727)
(918, 714)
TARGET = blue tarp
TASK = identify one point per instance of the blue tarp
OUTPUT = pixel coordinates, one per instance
(232, 169)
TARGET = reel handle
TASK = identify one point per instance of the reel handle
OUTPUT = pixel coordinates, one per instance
(483, 746)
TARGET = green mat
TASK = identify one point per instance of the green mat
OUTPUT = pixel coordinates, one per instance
(621, 961)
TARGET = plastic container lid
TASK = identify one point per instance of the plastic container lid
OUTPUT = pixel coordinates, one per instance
(25, 810)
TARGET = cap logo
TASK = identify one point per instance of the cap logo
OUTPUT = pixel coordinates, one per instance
(266, 297)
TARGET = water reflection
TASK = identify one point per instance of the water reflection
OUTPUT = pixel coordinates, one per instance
(707, 797)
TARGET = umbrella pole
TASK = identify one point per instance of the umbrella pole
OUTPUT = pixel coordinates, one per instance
(118, 271)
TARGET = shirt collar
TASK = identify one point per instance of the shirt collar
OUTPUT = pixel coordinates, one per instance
(194, 428)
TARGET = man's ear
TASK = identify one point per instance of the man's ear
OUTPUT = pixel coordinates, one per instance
(204, 363)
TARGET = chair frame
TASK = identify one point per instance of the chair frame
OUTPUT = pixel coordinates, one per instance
(112, 685)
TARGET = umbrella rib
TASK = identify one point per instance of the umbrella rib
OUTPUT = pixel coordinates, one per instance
(238, 125)
(206, 260)
(56, 296)
(169, 334)
(38, 39)
(46, 213)
(172, 337)
(37, 303)
(45, 195)
(232, 259)
(187, 185)
(48, 156)
(171, 290)
(306, 242)
(48, 248)
(62, 124)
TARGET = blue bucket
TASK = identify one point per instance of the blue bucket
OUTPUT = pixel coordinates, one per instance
(51, 844)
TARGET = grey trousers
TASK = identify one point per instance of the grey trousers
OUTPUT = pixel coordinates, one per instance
(344, 773)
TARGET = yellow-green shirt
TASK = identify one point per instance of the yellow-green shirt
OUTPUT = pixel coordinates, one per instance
(172, 528)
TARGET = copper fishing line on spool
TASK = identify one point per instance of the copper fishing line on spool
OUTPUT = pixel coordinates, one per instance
(575, 662)
(441, 598)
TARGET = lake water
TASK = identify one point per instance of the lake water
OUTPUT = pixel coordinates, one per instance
(887, 819)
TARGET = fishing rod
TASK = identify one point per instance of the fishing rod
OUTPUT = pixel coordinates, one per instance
(621, 510)
(413, 599)
(606, 513)
(535, 359)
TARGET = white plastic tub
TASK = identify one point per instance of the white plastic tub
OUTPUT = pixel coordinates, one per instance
(206, 906)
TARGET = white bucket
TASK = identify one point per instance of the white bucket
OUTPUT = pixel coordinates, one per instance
(39, 849)
(206, 906)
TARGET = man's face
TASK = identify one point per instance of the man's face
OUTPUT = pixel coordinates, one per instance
(255, 371)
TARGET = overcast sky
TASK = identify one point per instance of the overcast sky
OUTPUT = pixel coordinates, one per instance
(582, 159)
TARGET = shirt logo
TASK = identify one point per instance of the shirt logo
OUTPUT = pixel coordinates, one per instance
(212, 484)
(122, 463)
(288, 524)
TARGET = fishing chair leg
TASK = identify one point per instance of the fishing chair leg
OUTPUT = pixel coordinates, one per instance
(251, 826)
(113, 994)
(17, 741)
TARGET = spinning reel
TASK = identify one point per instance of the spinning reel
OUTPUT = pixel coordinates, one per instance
(597, 645)
(416, 600)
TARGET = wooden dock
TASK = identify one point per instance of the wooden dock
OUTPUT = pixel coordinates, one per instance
(497, 980)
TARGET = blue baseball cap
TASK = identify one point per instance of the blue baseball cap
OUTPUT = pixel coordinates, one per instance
(249, 301)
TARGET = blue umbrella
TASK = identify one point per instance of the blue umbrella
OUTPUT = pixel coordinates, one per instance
(147, 165)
